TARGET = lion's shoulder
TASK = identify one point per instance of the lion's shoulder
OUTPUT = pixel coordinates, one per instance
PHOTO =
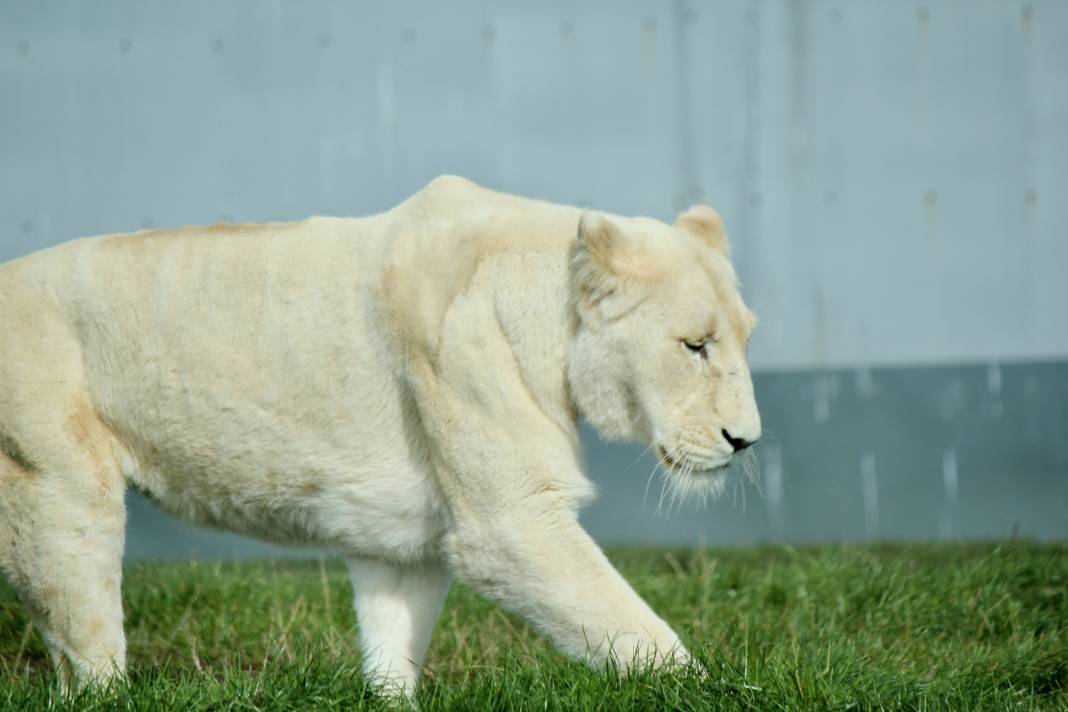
(451, 232)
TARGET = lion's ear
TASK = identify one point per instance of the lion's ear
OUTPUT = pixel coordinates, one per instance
(604, 259)
(705, 223)
(604, 243)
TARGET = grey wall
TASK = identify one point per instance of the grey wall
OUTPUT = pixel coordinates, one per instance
(892, 174)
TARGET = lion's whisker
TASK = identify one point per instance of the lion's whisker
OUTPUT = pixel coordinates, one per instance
(649, 481)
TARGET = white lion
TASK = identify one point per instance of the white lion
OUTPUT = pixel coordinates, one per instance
(404, 388)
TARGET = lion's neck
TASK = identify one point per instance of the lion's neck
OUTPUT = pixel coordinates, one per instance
(536, 317)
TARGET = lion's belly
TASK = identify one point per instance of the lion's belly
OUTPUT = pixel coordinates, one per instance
(362, 503)
(295, 462)
(401, 520)
(364, 486)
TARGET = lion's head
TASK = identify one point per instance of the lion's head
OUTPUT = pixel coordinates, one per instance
(660, 343)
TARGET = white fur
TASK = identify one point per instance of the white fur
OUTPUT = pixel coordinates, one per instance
(404, 388)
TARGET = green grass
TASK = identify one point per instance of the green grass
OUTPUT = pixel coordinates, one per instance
(958, 627)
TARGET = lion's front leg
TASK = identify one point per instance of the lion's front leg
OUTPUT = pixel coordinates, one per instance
(539, 563)
(509, 472)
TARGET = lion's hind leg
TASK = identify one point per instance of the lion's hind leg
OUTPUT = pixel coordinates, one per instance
(396, 609)
(62, 527)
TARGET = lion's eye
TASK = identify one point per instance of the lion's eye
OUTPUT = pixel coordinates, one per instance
(698, 347)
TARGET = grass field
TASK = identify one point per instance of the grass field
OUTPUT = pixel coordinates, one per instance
(958, 627)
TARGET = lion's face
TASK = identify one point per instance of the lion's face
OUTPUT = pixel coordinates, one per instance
(660, 347)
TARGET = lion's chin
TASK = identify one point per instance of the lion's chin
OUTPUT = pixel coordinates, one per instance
(688, 481)
(697, 487)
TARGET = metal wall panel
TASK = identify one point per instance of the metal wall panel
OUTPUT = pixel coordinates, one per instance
(890, 172)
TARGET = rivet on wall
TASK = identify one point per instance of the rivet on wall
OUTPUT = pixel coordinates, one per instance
(26, 226)
(822, 390)
(952, 400)
(125, 45)
(834, 15)
(649, 24)
(1031, 196)
(993, 386)
(869, 487)
(22, 48)
(567, 28)
(1033, 417)
(1031, 386)
(489, 33)
(408, 36)
(322, 40)
(771, 456)
(216, 46)
(866, 385)
(950, 488)
(923, 14)
(993, 378)
(930, 198)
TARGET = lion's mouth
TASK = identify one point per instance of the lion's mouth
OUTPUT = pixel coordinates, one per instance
(676, 464)
(666, 458)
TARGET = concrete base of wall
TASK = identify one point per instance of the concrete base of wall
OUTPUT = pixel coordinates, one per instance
(926, 453)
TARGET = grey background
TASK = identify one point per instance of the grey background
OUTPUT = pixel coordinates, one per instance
(892, 175)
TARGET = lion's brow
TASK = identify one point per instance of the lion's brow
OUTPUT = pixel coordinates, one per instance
(629, 310)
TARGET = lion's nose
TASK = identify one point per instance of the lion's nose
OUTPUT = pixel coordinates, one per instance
(738, 444)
